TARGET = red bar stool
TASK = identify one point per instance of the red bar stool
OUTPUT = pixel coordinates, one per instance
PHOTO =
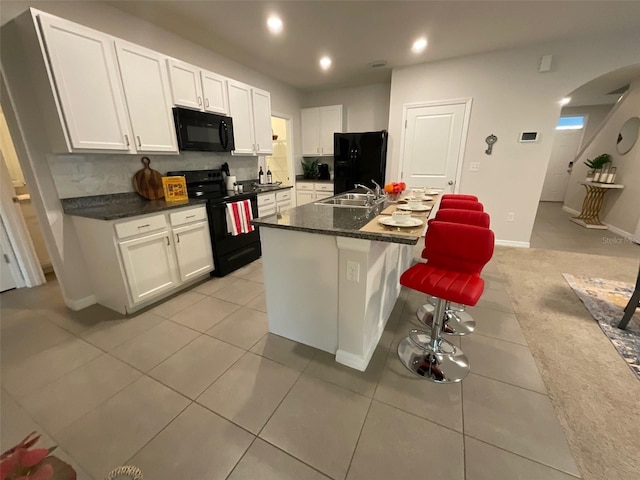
(459, 196)
(456, 320)
(461, 205)
(457, 254)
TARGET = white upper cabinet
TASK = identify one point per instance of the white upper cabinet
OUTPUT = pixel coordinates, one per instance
(318, 126)
(146, 88)
(250, 109)
(241, 110)
(186, 89)
(262, 121)
(85, 73)
(214, 88)
(192, 87)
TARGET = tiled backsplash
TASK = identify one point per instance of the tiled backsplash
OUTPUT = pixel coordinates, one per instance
(101, 174)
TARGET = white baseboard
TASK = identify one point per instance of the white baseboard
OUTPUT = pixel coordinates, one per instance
(570, 210)
(81, 303)
(512, 243)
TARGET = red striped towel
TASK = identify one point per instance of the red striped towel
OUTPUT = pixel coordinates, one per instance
(239, 216)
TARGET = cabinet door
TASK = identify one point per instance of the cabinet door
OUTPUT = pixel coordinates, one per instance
(214, 89)
(185, 84)
(310, 118)
(240, 109)
(303, 198)
(193, 250)
(84, 68)
(146, 89)
(149, 265)
(330, 123)
(262, 120)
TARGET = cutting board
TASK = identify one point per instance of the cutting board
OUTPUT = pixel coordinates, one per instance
(148, 182)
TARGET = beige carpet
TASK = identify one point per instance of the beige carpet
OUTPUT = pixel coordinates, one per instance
(595, 394)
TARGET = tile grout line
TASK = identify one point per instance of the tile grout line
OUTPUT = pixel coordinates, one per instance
(522, 456)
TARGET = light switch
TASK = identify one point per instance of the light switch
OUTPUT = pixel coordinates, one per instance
(474, 167)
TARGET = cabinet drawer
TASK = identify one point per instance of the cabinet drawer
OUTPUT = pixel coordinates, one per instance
(187, 216)
(266, 199)
(283, 196)
(324, 187)
(304, 186)
(140, 225)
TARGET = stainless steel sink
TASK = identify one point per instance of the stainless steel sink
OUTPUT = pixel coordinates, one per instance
(352, 200)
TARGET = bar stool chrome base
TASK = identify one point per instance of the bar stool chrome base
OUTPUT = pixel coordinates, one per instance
(455, 322)
(443, 364)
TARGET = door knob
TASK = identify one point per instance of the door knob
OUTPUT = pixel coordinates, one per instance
(450, 182)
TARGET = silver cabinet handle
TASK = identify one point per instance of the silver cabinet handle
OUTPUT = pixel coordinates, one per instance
(143, 226)
(139, 142)
(189, 216)
(168, 242)
(199, 101)
(126, 139)
(206, 102)
(258, 149)
(177, 238)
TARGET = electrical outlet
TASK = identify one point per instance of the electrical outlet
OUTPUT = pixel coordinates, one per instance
(474, 167)
(511, 217)
(353, 271)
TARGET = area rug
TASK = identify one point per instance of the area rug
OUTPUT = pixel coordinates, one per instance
(605, 300)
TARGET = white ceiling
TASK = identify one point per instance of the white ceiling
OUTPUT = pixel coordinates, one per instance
(355, 33)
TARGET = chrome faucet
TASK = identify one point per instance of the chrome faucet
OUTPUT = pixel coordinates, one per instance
(378, 188)
(369, 190)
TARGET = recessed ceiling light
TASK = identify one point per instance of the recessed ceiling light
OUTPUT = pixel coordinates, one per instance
(325, 63)
(419, 45)
(274, 23)
(565, 101)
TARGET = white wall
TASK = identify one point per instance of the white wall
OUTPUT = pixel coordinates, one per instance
(622, 208)
(365, 109)
(509, 96)
(24, 122)
(595, 116)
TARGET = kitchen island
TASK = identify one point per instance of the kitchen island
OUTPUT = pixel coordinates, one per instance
(327, 283)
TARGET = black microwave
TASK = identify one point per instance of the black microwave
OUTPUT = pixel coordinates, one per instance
(203, 132)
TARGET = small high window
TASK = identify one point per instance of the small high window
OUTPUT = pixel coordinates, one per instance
(571, 123)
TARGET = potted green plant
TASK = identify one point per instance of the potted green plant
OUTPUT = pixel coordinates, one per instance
(309, 168)
(596, 164)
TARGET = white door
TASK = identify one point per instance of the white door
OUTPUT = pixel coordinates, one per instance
(193, 250)
(84, 68)
(8, 264)
(149, 265)
(262, 120)
(565, 148)
(146, 88)
(185, 84)
(240, 109)
(214, 89)
(432, 145)
(330, 123)
(310, 121)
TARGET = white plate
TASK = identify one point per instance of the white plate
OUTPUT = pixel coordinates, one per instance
(432, 192)
(411, 222)
(419, 208)
(423, 198)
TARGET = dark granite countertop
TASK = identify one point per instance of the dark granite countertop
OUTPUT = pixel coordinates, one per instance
(250, 188)
(330, 220)
(300, 178)
(119, 205)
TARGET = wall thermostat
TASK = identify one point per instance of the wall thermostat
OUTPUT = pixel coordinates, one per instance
(529, 137)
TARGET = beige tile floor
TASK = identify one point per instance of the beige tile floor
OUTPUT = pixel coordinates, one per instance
(552, 230)
(195, 388)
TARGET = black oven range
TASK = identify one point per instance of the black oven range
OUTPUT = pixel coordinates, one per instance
(229, 252)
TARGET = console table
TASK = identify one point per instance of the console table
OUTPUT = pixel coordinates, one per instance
(589, 217)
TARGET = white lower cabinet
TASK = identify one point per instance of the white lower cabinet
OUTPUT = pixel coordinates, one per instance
(308, 192)
(274, 202)
(149, 265)
(193, 250)
(133, 262)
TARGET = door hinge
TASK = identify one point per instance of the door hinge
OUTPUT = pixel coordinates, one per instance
(6, 258)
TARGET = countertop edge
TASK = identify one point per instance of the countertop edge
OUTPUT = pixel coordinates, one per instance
(377, 237)
(120, 215)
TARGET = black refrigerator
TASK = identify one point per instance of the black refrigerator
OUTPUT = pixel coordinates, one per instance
(359, 158)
